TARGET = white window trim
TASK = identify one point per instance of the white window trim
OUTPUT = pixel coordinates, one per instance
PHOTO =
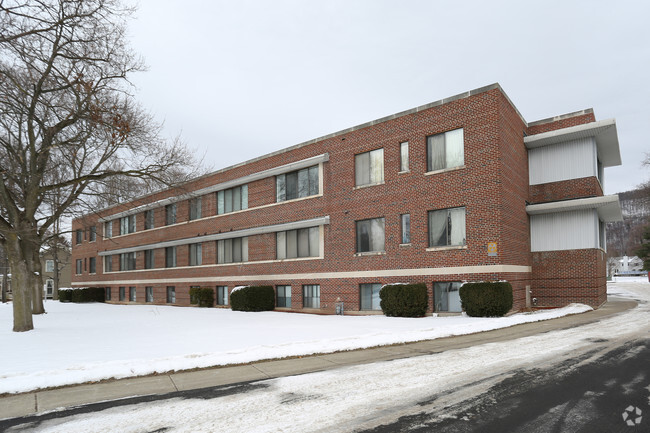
(444, 170)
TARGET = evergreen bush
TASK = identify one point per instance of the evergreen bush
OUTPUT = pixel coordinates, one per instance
(486, 299)
(253, 298)
(87, 294)
(404, 300)
(203, 296)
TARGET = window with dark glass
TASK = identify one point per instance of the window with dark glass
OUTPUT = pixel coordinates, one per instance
(447, 296)
(148, 219)
(195, 208)
(406, 228)
(170, 214)
(92, 265)
(447, 227)
(311, 296)
(222, 295)
(170, 257)
(298, 243)
(127, 225)
(108, 263)
(171, 294)
(127, 261)
(148, 293)
(297, 184)
(446, 150)
(370, 235)
(148, 259)
(132, 295)
(370, 296)
(369, 167)
(232, 199)
(283, 296)
(107, 295)
(79, 236)
(196, 256)
(79, 267)
(122, 293)
(232, 250)
(93, 234)
(108, 229)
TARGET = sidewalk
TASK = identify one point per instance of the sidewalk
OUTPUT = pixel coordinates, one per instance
(37, 402)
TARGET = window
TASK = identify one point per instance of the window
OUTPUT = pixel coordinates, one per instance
(79, 235)
(222, 295)
(171, 295)
(404, 156)
(127, 261)
(196, 258)
(311, 296)
(447, 296)
(170, 257)
(108, 229)
(297, 184)
(195, 208)
(148, 219)
(406, 228)
(148, 291)
(447, 227)
(127, 225)
(93, 265)
(298, 243)
(122, 293)
(445, 150)
(79, 267)
(283, 296)
(49, 265)
(370, 296)
(49, 287)
(107, 294)
(170, 214)
(232, 250)
(148, 259)
(370, 235)
(369, 167)
(108, 263)
(93, 233)
(132, 296)
(232, 199)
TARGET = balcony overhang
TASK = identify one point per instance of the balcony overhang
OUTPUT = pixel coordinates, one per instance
(603, 131)
(608, 207)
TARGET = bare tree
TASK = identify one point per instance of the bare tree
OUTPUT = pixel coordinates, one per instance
(68, 122)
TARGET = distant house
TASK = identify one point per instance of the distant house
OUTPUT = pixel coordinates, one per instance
(49, 264)
(628, 266)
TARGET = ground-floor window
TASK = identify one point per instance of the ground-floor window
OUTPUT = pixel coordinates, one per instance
(49, 286)
(132, 297)
(222, 295)
(171, 294)
(311, 296)
(447, 296)
(108, 294)
(283, 299)
(148, 294)
(370, 296)
(122, 293)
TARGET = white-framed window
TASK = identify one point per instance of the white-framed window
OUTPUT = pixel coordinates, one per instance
(406, 228)
(93, 234)
(298, 243)
(233, 250)
(404, 156)
(127, 261)
(222, 295)
(149, 219)
(196, 256)
(446, 150)
(92, 265)
(311, 296)
(369, 167)
(369, 296)
(108, 263)
(297, 184)
(79, 266)
(127, 224)
(122, 293)
(232, 199)
(370, 235)
(171, 294)
(446, 296)
(148, 294)
(447, 227)
(195, 208)
(283, 298)
(170, 257)
(49, 265)
(170, 214)
(108, 229)
(132, 294)
(149, 259)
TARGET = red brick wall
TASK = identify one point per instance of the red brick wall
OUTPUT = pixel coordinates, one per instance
(552, 125)
(565, 189)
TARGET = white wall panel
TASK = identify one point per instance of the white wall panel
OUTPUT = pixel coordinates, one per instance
(563, 161)
(564, 230)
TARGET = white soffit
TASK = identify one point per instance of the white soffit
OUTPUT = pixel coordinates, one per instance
(604, 131)
(608, 207)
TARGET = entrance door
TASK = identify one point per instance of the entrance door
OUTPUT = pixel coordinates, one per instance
(447, 297)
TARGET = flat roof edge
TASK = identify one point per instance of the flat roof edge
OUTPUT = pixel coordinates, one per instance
(562, 116)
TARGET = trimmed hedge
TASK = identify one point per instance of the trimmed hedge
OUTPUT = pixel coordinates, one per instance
(404, 300)
(486, 299)
(203, 296)
(253, 298)
(87, 294)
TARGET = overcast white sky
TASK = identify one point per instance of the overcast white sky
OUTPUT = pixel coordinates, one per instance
(243, 78)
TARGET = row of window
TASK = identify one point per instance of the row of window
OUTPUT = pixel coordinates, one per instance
(446, 228)
(445, 150)
(446, 296)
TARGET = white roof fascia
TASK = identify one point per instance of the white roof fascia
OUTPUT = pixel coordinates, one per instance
(607, 206)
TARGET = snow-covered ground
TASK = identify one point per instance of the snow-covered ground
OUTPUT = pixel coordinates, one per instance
(365, 396)
(76, 343)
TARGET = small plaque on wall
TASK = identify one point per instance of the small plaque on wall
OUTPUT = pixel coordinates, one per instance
(492, 249)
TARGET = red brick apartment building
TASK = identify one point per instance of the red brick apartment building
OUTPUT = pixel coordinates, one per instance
(462, 189)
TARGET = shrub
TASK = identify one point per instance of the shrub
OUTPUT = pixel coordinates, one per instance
(404, 300)
(253, 298)
(203, 296)
(486, 299)
(87, 294)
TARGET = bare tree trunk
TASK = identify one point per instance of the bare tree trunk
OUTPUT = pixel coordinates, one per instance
(36, 277)
(22, 291)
